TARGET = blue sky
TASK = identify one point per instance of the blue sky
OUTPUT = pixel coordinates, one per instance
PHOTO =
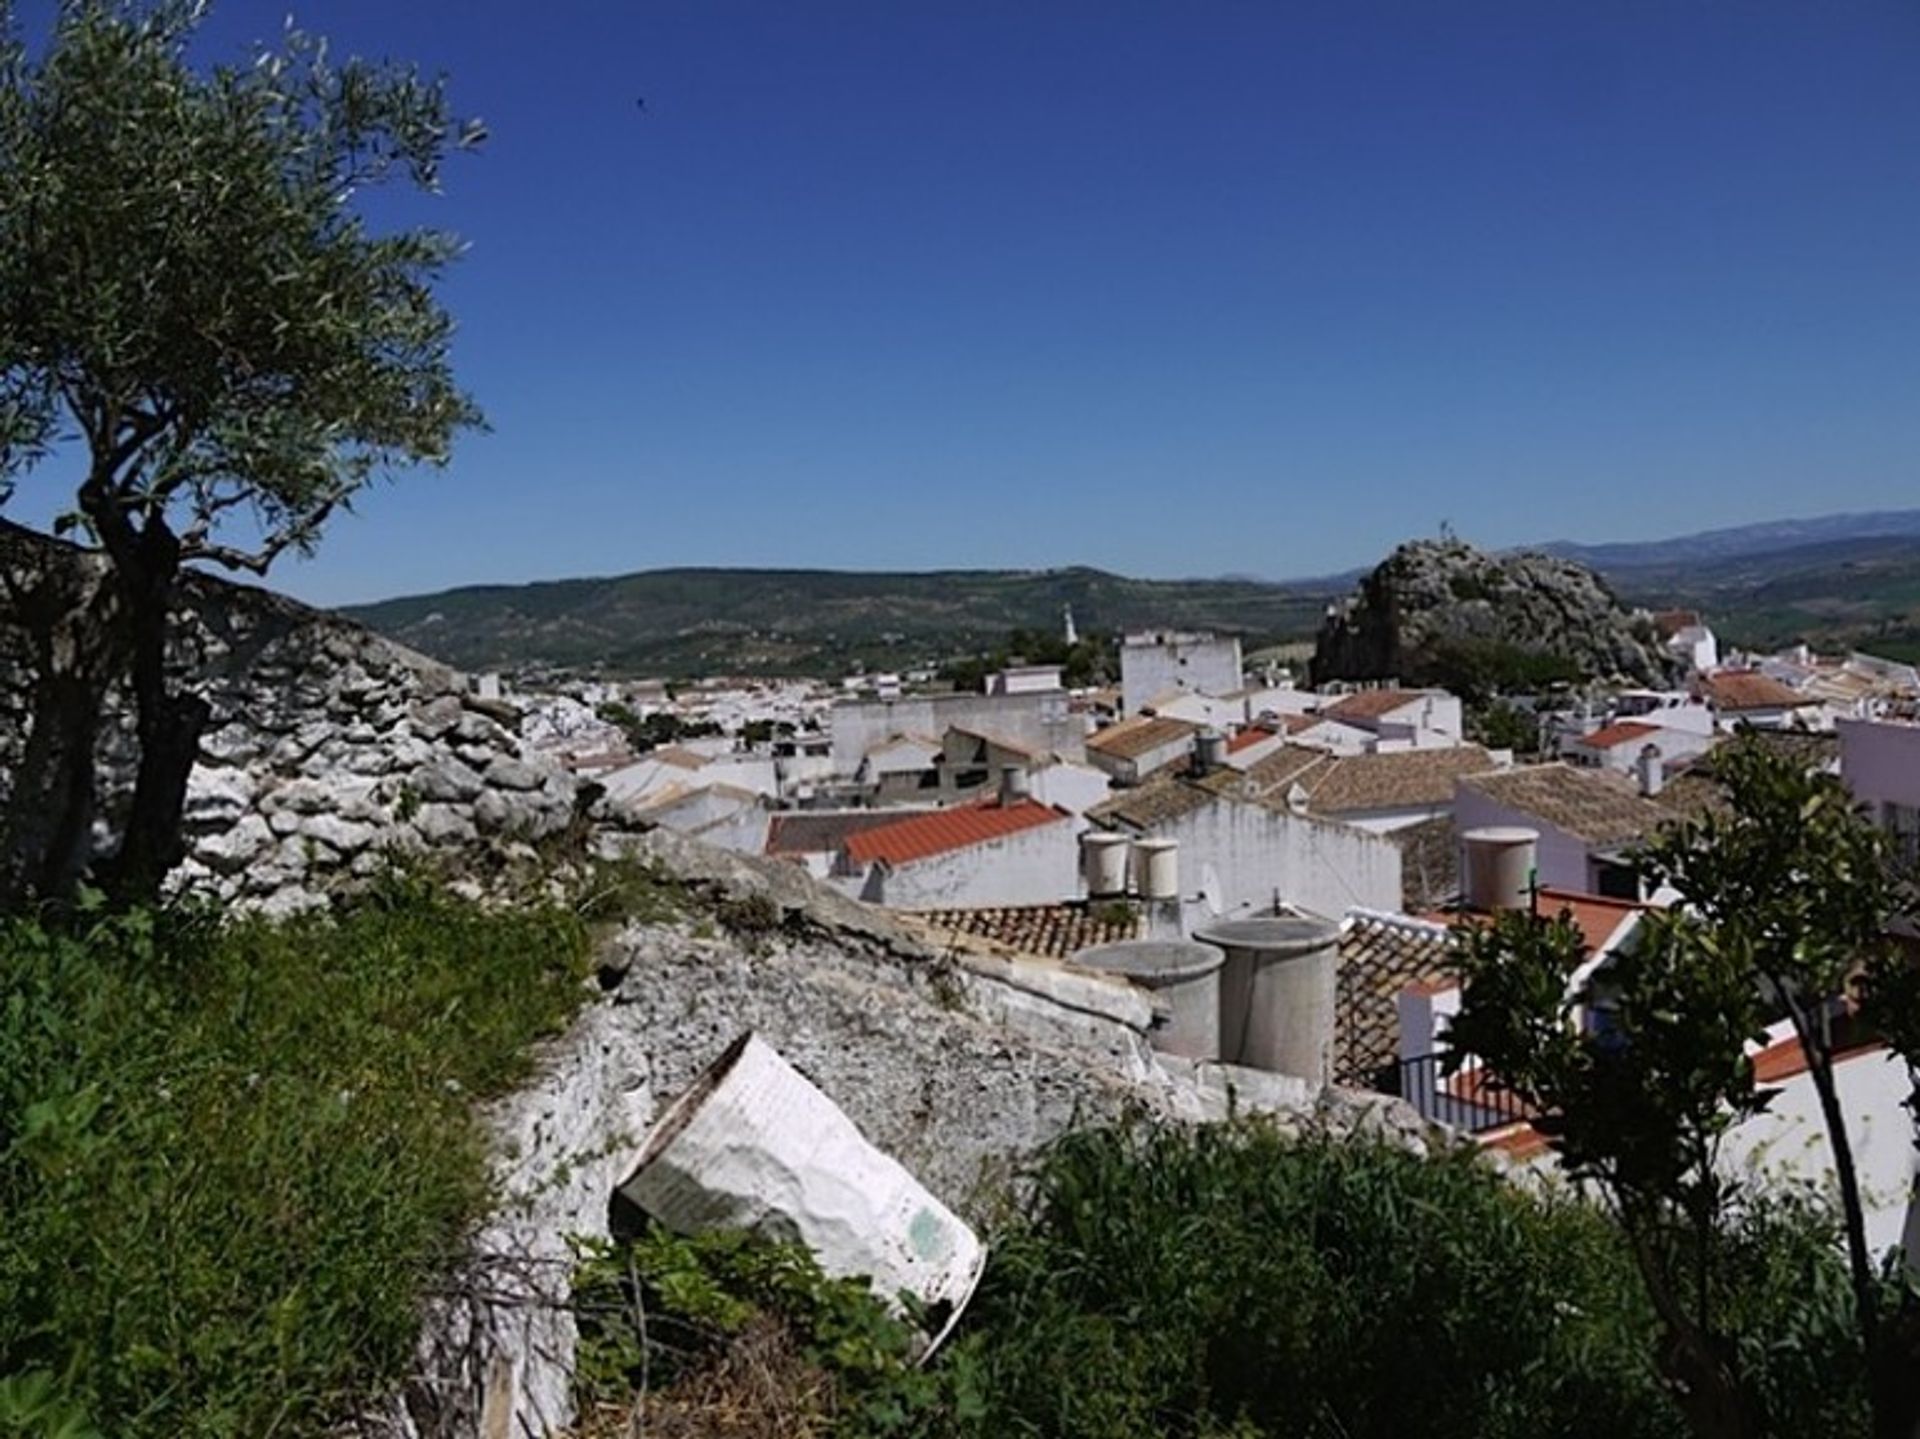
(1169, 289)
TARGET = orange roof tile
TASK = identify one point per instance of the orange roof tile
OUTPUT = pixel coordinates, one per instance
(1249, 737)
(1618, 733)
(926, 835)
(1595, 916)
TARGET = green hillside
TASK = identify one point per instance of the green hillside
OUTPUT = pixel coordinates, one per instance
(1862, 591)
(712, 621)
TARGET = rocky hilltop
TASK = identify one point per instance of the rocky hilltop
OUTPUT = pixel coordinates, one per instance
(1442, 612)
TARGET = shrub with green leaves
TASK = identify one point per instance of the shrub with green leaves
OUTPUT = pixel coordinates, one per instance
(662, 1308)
(1229, 1280)
(231, 1157)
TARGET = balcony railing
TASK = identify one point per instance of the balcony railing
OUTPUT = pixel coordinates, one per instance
(1464, 1101)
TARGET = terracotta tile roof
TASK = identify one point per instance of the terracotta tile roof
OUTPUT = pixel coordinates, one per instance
(1597, 806)
(1132, 738)
(1276, 771)
(943, 831)
(1163, 798)
(1380, 955)
(1248, 738)
(824, 831)
(1737, 690)
(1670, 622)
(1618, 733)
(1052, 931)
(1371, 704)
(1354, 784)
(1595, 916)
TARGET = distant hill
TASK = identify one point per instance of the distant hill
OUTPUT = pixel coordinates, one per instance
(1773, 537)
(1833, 580)
(719, 621)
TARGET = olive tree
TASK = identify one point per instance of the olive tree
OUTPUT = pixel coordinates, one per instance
(1782, 913)
(203, 336)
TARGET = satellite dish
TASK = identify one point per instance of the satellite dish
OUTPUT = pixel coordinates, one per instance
(1210, 891)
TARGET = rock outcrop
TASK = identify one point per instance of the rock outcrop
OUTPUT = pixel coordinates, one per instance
(1440, 612)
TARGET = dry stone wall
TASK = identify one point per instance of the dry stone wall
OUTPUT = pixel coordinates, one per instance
(329, 750)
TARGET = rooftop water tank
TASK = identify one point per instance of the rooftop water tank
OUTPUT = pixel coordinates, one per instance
(1156, 868)
(1278, 989)
(1499, 868)
(1103, 863)
(1185, 980)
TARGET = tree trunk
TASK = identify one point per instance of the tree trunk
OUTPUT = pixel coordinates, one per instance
(169, 722)
(67, 607)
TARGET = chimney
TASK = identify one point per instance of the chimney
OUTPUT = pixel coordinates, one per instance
(1499, 869)
(1209, 751)
(1013, 784)
(1103, 863)
(1653, 776)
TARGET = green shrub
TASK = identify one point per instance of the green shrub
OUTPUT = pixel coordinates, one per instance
(1228, 1281)
(231, 1157)
(661, 1309)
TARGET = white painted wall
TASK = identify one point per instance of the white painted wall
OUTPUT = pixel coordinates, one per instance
(1790, 1140)
(1035, 866)
(1040, 721)
(1563, 860)
(1152, 664)
(1075, 788)
(1880, 762)
(1258, 854)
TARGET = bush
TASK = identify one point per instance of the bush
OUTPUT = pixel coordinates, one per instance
(675, 1318)
(1229, 1281)
(231, 1157)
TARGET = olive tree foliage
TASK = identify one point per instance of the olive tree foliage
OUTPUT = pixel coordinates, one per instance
(192, 304)
(1782, 913)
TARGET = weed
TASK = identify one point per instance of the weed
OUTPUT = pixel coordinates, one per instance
(231, 1157)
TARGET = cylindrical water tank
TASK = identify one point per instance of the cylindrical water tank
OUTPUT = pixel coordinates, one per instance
(1013, 784)
(1103, 863)
(1156, 868)
(1210, 750)
(1499, 868)
(1185, 979)
(1278, 991)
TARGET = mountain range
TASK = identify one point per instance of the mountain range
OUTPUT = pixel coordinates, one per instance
(1833, 580)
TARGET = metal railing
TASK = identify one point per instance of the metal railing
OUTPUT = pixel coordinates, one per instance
(1463, 1101)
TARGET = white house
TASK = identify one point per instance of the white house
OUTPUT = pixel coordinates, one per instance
(1397, 719)
(1688, 640)
(1880, 766)
(1137, 748)
(1586, 819)
(1244, 856)
(1006, 851)
(1042, 720)
(1623, 745)
(1154, 662)
(1024, 680)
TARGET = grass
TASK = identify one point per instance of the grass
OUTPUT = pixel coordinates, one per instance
(232, 1156)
